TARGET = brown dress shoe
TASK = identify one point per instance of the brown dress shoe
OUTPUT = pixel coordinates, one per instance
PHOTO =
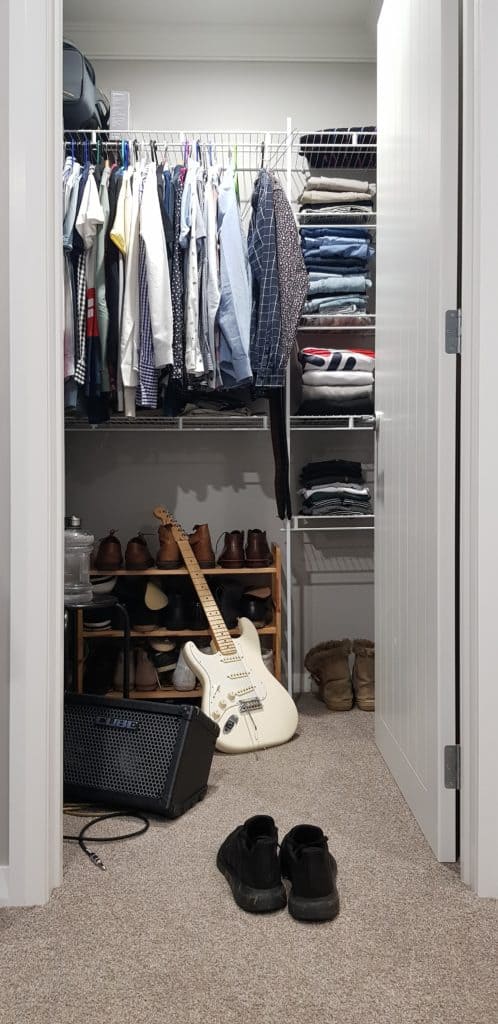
(169, 555)
(137, 554)
(200, 542)
(109, 556)
(232, 556)
(258, 554)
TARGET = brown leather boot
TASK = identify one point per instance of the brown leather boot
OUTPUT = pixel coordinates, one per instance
(328, 664)
(137, 554)
(258, 554)
(169, 555)
(109, 556)
(232, 556)
(364, 674)
(200, 542)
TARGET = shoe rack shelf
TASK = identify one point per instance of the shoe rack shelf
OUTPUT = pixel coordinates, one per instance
(115, 634)
(217, 571)
(274, 630)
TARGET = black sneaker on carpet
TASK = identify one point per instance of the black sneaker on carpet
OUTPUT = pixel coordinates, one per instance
(248, 859)
(312, 871)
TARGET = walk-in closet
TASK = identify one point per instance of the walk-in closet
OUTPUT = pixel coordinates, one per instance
(241, 658)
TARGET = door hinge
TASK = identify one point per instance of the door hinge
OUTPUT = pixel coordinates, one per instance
(452, 767)
(453, 332)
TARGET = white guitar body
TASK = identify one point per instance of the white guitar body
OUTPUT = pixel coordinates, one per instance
(252, 709)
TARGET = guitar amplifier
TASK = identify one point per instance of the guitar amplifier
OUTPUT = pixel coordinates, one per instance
(135, 754)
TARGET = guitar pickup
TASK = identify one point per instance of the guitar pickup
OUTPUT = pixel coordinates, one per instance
(254, 704)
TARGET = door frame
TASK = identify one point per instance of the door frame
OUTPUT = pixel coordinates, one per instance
(35, 293)
(37, 454)
(479, 372)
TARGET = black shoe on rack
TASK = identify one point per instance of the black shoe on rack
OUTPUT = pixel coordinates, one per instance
(306, 862)
(175, 615)
(248, 859)
(228, 596)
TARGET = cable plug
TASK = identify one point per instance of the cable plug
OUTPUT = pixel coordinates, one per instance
(95, 859)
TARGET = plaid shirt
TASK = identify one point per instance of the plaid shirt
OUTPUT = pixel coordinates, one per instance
(265, 316)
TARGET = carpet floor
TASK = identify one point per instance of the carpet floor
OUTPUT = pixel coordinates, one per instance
(157, 937)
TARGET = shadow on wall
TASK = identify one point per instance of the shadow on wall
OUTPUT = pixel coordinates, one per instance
(114, 482)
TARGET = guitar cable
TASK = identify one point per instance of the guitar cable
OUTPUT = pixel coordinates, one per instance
(80, 838)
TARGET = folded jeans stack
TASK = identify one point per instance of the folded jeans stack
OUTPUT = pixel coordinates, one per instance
(334, 487)
(336, 381)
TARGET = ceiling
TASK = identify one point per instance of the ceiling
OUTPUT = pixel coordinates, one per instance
(224, 29)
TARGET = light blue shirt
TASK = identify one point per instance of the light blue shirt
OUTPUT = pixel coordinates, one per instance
(234, 314)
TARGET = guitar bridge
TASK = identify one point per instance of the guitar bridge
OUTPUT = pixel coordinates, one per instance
(254, 704)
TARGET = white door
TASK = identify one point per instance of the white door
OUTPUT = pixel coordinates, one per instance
(416, 397)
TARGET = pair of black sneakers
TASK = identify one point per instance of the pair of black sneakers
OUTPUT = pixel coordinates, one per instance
(250, 861)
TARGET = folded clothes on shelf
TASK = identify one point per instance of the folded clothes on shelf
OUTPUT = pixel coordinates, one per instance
(332, 359)
(322, 283)
(336, 247)
(313, 197)
(323, 183)
(339, 320)
(326, 402)
(334, 487)
(341, 147)
(358, 212)
(322, 230)
(329, 303)
(337, 379)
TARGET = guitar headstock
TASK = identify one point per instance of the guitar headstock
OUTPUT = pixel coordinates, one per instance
(166, 519)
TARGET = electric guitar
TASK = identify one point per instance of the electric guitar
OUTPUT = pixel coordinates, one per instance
(252, 709)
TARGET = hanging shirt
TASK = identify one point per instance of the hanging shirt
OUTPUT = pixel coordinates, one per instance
(151, 230)
(262, 246)
(102, 311)
(90, 217)
(234, 317)
(130, 321)
(177, 373)
(191, 229)
(212, 290)
(120, 230)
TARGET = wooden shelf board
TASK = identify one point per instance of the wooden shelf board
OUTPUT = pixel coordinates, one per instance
(158, 633)
(218, 571)
(158, 694)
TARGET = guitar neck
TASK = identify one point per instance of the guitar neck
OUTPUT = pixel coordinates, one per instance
(221, 636)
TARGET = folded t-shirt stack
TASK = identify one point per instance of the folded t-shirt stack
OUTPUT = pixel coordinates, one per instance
(334, 487)
(336, 381)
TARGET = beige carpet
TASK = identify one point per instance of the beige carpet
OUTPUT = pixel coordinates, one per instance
(158, 939)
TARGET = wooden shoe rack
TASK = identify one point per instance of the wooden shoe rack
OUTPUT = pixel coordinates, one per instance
(252, 576)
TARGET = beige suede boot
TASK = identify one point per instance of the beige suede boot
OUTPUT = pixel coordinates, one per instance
(364, 674)
(328, 664)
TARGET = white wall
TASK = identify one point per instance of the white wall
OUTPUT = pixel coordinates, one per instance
(178, 95)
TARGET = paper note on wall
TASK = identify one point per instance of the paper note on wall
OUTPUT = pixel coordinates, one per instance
(119, 119)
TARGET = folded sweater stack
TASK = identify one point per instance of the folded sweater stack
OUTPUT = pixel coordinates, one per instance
(334, 487)
(336, 382)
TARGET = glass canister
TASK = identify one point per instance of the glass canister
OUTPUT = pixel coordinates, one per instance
(78, 547)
